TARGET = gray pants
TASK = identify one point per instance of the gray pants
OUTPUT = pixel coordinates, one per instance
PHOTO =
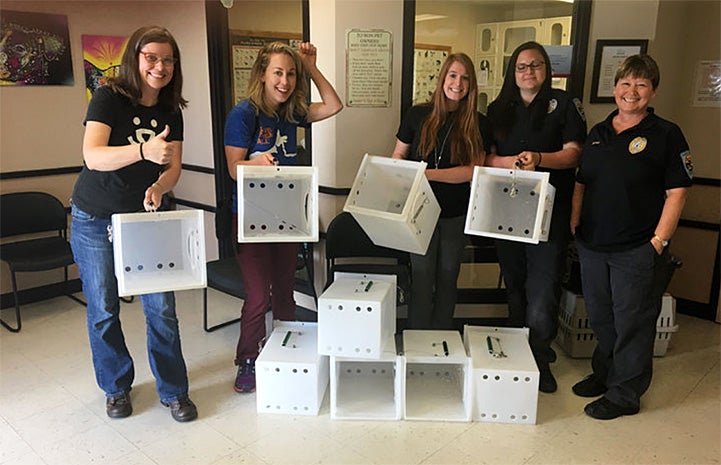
(435, 276)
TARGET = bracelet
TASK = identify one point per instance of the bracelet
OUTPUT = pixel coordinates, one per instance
(540, 157)
(142, 156)
(156, 183)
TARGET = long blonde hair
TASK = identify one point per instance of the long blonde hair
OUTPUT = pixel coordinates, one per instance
(466, 144)
(297, 103)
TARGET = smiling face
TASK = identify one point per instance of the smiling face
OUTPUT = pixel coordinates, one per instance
(456, 83)
(279, 79)
(633, 94)
(156, 66)
(533, 73)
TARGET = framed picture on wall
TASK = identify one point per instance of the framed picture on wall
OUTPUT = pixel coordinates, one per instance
(427, 63)
(609, 56)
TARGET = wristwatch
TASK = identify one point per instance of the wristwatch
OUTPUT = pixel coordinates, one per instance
(663, 242)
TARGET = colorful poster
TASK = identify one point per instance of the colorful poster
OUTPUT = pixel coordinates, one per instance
(34, 49)
(101, 59)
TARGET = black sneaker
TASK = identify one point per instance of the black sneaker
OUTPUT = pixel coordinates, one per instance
(245, 379)
(590, 386)
(182, 409)
(546, 382)
(118, 406)
(604, 409)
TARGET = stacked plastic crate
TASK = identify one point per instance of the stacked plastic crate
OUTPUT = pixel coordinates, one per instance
(576, 337)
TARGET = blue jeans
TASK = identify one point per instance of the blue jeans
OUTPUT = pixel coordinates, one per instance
(114, 370)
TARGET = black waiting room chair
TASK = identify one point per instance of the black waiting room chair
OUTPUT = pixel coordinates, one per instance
(41, 220)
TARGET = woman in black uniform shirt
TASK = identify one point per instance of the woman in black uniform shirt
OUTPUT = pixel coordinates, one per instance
(537, 128)
(448, 134)
(631, 187)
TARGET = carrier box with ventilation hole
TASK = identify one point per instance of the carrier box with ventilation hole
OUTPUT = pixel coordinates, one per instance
(291, 377)
(510, 204)
(357, 315)
(505, 375)
(277, 203)
(393, 202)
(159, 251)
(437, 376)
(367, 389)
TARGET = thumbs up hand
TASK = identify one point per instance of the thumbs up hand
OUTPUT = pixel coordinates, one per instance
(158, 150)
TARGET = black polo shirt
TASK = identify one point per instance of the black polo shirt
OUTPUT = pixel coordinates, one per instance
(626, 176)
(564, 122)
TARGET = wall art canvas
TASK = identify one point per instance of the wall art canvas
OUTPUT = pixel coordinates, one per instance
(101, 59)
(34, 49)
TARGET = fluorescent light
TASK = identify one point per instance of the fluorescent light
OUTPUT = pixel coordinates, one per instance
(428, 17)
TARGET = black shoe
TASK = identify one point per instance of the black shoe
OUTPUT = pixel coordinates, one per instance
(546, 381)
(182, 409)
(604, 409)
(590, 386)
(118, 406)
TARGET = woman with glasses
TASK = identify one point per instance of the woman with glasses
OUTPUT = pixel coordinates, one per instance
(449, 134)
(537, 128)
(132, 151)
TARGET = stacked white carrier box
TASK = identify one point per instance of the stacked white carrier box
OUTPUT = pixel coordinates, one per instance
(510, 204)
(291, 376)
(393, 202)
(437, 376)
(356, 328)
(505, 375)
(576, 337)
(159, 251)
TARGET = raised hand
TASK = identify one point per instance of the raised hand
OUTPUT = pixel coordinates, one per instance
(158, 150)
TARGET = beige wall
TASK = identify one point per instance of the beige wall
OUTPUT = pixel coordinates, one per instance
(41, 127)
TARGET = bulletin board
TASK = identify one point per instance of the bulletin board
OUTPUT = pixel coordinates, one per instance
(427, 61)
(244, 47)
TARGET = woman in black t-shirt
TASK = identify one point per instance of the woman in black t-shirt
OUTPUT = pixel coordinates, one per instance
(449, 135)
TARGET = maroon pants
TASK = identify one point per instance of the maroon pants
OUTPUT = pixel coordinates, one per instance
(268, 271)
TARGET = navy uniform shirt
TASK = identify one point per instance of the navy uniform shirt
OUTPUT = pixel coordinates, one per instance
(564, 122)
(625, 177)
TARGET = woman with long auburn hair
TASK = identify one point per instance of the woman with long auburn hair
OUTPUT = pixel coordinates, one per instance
(452, 137)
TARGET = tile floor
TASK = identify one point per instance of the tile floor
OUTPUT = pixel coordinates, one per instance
(51, 411)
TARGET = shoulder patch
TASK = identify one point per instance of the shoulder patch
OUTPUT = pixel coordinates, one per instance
(579, 109)
(687, 163)
(552, 104)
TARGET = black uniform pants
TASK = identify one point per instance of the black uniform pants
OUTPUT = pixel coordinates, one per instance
(622, 309)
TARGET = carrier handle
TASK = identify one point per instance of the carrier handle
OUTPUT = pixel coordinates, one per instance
(192, 249)
(422, 199)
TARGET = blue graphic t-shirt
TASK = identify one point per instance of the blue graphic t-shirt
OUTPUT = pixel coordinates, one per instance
(262, 133)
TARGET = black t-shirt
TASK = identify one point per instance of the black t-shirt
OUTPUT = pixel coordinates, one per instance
(625, 177)
(452, 198)
(102, 193)
(564, 122)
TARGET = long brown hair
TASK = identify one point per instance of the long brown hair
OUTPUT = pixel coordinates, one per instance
(466, 144)
(297, 103)
(129, 83)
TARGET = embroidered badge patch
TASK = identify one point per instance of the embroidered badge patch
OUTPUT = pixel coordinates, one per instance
(687, 163)
(637, 145)
(552, 104)
(579, 108)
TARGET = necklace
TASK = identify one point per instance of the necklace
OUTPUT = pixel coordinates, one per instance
(438, 155)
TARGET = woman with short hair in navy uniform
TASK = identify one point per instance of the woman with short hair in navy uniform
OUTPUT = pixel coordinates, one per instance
(448, 133)
(632, 184)
(261, 131)
(537, 128)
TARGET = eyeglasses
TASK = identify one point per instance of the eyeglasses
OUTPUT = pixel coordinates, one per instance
(534, 65)
(153, 59)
